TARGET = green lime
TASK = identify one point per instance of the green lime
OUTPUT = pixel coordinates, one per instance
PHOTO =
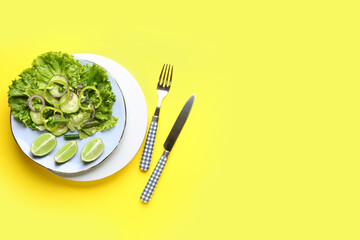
(92, 150)
(43, 145)
(66, 152)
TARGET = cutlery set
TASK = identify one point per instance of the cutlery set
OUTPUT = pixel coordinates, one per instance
(163, 88)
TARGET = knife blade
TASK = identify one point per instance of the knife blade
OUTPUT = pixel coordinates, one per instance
(168, 145)
(179, 124)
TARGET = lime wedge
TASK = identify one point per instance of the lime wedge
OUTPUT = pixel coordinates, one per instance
(92, 150)
(43, 145)
(66, 152)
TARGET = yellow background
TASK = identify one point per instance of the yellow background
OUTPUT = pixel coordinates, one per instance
(271, 147)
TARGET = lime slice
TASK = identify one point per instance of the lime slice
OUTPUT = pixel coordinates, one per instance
(92, 150)
(43, 145)
(66, 152)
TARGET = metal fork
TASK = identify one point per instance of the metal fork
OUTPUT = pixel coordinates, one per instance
(163, 88)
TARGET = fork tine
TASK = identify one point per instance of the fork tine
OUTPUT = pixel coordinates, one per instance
(167, 77)
(172, 70)
(161, 74)
(163, 82)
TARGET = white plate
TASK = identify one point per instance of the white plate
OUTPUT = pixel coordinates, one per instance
(24, 137)
(136, 122)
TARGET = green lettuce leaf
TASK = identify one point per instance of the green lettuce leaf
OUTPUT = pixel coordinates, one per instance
(78, 118)
(17, 98)
(54, 64)
(20, 109)
(103, 125)
(96, 76)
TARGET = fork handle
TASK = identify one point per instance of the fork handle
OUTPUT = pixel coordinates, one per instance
(149, 145)
(154, 178)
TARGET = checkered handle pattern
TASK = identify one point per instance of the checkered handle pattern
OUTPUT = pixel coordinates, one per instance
(149, 147)
(154, 178)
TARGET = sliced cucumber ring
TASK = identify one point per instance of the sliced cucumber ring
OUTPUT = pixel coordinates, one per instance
(35, 117)
(60, 131)
(70, 106)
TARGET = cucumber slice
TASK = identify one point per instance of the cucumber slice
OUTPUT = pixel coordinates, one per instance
(35, 117)
(60, 131)
(54, 90)
(70, 106)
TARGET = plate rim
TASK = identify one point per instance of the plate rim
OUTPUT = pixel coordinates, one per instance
(82, 171)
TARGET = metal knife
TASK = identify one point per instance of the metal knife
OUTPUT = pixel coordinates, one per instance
(168, 145)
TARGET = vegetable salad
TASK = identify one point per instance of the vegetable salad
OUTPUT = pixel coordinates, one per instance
(59, 94)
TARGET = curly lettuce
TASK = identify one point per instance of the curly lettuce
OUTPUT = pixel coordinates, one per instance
(18, 97)
(34, 81)
(96, 76)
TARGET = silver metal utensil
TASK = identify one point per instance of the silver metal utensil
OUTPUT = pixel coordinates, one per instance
(163, 88)
(168, 145)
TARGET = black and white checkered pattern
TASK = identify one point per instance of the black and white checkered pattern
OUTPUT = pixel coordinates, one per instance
(154, 178)
(149, 146)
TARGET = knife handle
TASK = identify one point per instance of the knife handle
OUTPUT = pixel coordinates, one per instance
(154, 178)
(149, 146)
